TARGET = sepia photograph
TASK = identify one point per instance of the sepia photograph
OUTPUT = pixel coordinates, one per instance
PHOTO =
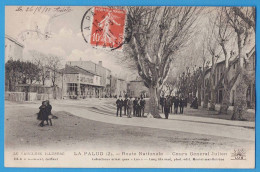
(130, 86)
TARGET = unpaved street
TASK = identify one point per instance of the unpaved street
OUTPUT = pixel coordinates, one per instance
(93, 124)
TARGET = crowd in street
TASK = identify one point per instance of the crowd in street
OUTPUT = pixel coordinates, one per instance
(169, 104)
(130, 106)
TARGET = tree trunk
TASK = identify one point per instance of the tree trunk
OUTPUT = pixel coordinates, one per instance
(226, 96)
(158, 92)
(199, 95)
(240, 106)
(43, 81)
(205, 98)
(225, 103)
(213, 99)
(54, 92)
(153, 108)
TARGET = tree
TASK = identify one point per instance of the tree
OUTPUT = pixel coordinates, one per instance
(31, 72)
(41, 60)
(13, 73)
(156, 34)
(20, 72)
(223, 35)
(212, 47)
(205, 66)
(170, 84)
(54, 65)
(242, 20)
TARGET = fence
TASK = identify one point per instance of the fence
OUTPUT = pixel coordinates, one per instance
(44, 93)
(15, 96)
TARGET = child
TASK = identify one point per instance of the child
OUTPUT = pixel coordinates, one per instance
(42, 115)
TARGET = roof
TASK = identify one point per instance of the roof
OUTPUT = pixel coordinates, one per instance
(89, 61)
(14, 40)
(221, 62)
(232, 60)
(77, 70)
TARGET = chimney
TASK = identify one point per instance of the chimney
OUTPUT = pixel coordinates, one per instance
(100, 63)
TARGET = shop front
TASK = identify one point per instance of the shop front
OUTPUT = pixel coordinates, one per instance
(80, 83)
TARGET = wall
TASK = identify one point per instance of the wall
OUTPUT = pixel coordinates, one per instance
(13, 50)
(136, 88)
(121, 87)
(95, 68)
(118, 86)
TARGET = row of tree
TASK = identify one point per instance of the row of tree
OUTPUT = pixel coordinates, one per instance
(155, 35)
(37, 70)
(231, 26)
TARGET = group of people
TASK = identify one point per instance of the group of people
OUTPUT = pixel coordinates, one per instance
(169, 101)
(130, 106)
(45, 113)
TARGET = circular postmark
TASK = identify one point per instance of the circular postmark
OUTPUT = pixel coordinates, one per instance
(104, 27)
(86, 24)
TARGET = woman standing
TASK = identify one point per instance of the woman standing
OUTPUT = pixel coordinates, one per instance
(43, 115)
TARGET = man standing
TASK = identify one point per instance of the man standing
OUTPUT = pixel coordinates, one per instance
(181, 105)
(167, 104)
(130, 107)
(135, 105)
(138, 107)
(142, 103)
(119, 104)
(176, 104)
(162, 102)
(125, 105)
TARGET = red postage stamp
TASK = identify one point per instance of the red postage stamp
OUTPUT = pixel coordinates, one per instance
(108, 27)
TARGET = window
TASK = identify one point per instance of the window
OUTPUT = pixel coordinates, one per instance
(72, 89)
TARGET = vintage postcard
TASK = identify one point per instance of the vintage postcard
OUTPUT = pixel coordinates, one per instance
(130, 86)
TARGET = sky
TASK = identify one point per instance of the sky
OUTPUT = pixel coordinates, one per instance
(66, 37)
(67, 40)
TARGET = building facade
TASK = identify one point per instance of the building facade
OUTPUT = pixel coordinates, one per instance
(104, 73)
(219, 82)
(118, 87)
(80, 83)
(136, 88)
(13, 49)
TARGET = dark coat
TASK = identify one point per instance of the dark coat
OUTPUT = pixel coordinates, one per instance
(48, 109)
(142, 103)
(167, 102)
(176, 102)
(43, 114)
(119, 103)
(167, 105)
(162, 99)
(125, 102)
(182, 102)
(135, 103)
